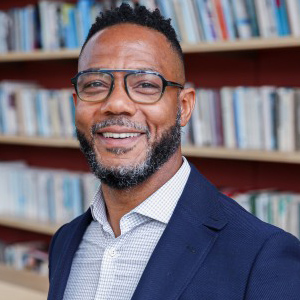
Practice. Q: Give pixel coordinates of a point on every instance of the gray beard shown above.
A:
(126, 177)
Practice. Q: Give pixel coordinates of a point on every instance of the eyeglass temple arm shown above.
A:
(171, 83)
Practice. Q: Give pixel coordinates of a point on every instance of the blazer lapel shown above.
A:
(60, 277)
(188, 238)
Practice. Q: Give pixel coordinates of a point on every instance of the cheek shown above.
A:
(84, 116)
(161, 118)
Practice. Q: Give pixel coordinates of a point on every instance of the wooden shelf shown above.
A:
(253, 155)
(29, 225)
(208, 152)
(25, 279)
(39, 141)
(39, 55)
(242, 45)
(218, 46)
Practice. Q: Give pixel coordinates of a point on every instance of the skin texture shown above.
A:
(129, 46)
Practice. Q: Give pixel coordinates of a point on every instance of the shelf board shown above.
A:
(208, 152)
(242, 45)
(38, 55)
(39, 141)
(237, 154)
(204, 47)
(29, 225)
(23, 278)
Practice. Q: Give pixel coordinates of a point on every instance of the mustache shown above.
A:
(120, 121)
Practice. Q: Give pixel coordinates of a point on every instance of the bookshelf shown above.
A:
(256, 61)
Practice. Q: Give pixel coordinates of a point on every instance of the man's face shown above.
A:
(144, 126)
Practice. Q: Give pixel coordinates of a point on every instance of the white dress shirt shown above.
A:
(109, 268)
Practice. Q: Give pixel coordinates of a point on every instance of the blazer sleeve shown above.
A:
(275, 273)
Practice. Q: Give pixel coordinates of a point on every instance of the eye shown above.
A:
(95, 85)
(146, 85)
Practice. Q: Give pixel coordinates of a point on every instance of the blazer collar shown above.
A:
(187, 239)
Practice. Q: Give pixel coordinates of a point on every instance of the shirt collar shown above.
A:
(159, 206)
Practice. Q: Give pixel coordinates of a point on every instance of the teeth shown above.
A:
(122, 135)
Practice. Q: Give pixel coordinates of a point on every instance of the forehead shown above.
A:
(129, 46)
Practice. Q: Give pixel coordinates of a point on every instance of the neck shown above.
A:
(120, 202)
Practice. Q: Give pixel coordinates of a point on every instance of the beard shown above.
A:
(126, 177)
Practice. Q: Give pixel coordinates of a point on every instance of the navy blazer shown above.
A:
(211, 249)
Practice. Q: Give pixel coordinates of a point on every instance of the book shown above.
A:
(293, 12)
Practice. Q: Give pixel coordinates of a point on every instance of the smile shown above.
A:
(122, 135)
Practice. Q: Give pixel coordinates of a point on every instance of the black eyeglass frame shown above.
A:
(129, 72)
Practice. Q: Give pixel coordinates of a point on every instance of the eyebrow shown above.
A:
(139, 69)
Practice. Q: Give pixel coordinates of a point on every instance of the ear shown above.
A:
(187, 103)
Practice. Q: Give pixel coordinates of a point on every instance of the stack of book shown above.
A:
(49, 25)
(259, 118)
(221, 20)
(30, 256)
(44, 195)
(28, 110)
(278, 208)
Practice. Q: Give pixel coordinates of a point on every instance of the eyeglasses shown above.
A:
(141, 86)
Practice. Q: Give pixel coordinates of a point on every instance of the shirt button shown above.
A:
(112, 252)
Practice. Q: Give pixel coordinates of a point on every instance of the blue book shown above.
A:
(71, 29)
(253, 19)
(284, 18)
(279, 25)
(84, 8)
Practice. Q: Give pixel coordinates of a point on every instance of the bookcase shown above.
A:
(252, 62)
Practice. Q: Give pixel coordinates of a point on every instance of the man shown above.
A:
(157, 229)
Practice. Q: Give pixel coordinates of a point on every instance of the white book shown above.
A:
(211, 113)
(192, 21)
(293, 9)
(242, 19)
(180, 17)
(228, 117)
(262, 206)
(45, 24)
(8, 107)
(4, 31)
(205, 116)
(268, 117)
(255, 121)
(286, 128)
(197, 121)
(26, 112)
(43, 205)
(60, 214)
(54, 117)
(90, 187)
(150, 4)
(266, 18)
(65, 113)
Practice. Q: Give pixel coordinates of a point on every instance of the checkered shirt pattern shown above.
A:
(109, 268)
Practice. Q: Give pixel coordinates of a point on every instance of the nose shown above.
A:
(118, 103)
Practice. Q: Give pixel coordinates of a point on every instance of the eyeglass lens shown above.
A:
(145, 88)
